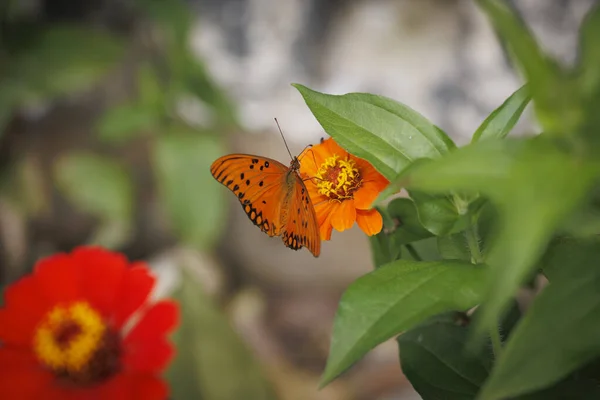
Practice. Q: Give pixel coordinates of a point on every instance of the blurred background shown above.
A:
(111, 112)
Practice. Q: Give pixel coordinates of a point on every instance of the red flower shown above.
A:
(66, 331)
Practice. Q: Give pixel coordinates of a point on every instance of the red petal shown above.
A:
(101, 273)
(119, 387)
(22, 377)
(135, 288)
(58, 278)
(24, 308)
(148, 355)
(160, 319)
(149, 387)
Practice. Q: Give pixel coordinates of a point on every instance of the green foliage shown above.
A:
(202, 369)
(393, 298)
(101, 187)
(182, 160)
(482, 220)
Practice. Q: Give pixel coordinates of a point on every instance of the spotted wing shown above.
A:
(259, 184)
(301, 228)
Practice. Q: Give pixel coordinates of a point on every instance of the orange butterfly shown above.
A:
(273, 196)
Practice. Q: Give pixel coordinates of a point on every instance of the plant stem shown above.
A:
(496, 342)
(413, 252)
(473, 242)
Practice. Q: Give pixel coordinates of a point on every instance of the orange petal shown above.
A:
(311, 159)
(324, 211)
(370, 221)
(344, 216)
(366, 195)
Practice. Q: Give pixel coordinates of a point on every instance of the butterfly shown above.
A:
(273, 196)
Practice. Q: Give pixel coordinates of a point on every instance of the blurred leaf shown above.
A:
(192, 198)
(566, 255)
(151, 94)
(558, 334)
(127, 121)
(454, 247)
(211, 362)
(174, 16)
(590, 53)
(62, 60)
(422, 250)
(384, 132)
(521, 177)
(394, 298)
(380, 249)
(198, 81)
(501, 121)
(101, 187)
(556, 100)
(96, 184)
(433, 357)
(437, 214)
(409, 229)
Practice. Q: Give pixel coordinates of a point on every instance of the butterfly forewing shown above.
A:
(257, 182)
(273, 196)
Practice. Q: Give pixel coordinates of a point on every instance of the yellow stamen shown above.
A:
(338, 179)
(69, 336)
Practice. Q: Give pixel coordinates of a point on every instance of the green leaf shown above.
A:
(404, 211)
(384, 132)
(566, 255)
(556, 100)
(437, 214)
(501, 121)
(210, 355)
(101, 187)
(127, 121)
(63, 60)
(394, 298)
(558, 334)
(590, 53)
(454, 247)
(191, 196)
(434, 358)
(521, 178)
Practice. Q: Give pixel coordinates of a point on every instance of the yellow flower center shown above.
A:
(75, 343)
(338, 179)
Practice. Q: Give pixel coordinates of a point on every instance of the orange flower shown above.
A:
(63, 335)
(342, 189)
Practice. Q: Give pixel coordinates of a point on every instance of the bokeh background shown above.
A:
(111, 112)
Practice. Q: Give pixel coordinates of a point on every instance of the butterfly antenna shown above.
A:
(283, 137)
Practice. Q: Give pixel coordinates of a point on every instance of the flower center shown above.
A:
(338, 179)
(75, 343)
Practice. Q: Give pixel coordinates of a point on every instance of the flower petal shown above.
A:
(366, 195)
(24, 308)
(58, 278)
(149, 387)
(136, 286)
(157, 321)
(101, 273)
(344, 215)
(370, 221)
(151, 355)
(22, 377)
(120, 387)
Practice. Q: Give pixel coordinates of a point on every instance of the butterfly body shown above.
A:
(273, 196)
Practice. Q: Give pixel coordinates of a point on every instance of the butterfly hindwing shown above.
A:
(301, 228)
(258, 183)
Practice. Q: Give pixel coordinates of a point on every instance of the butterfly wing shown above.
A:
(301, 227)
(259, 184)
